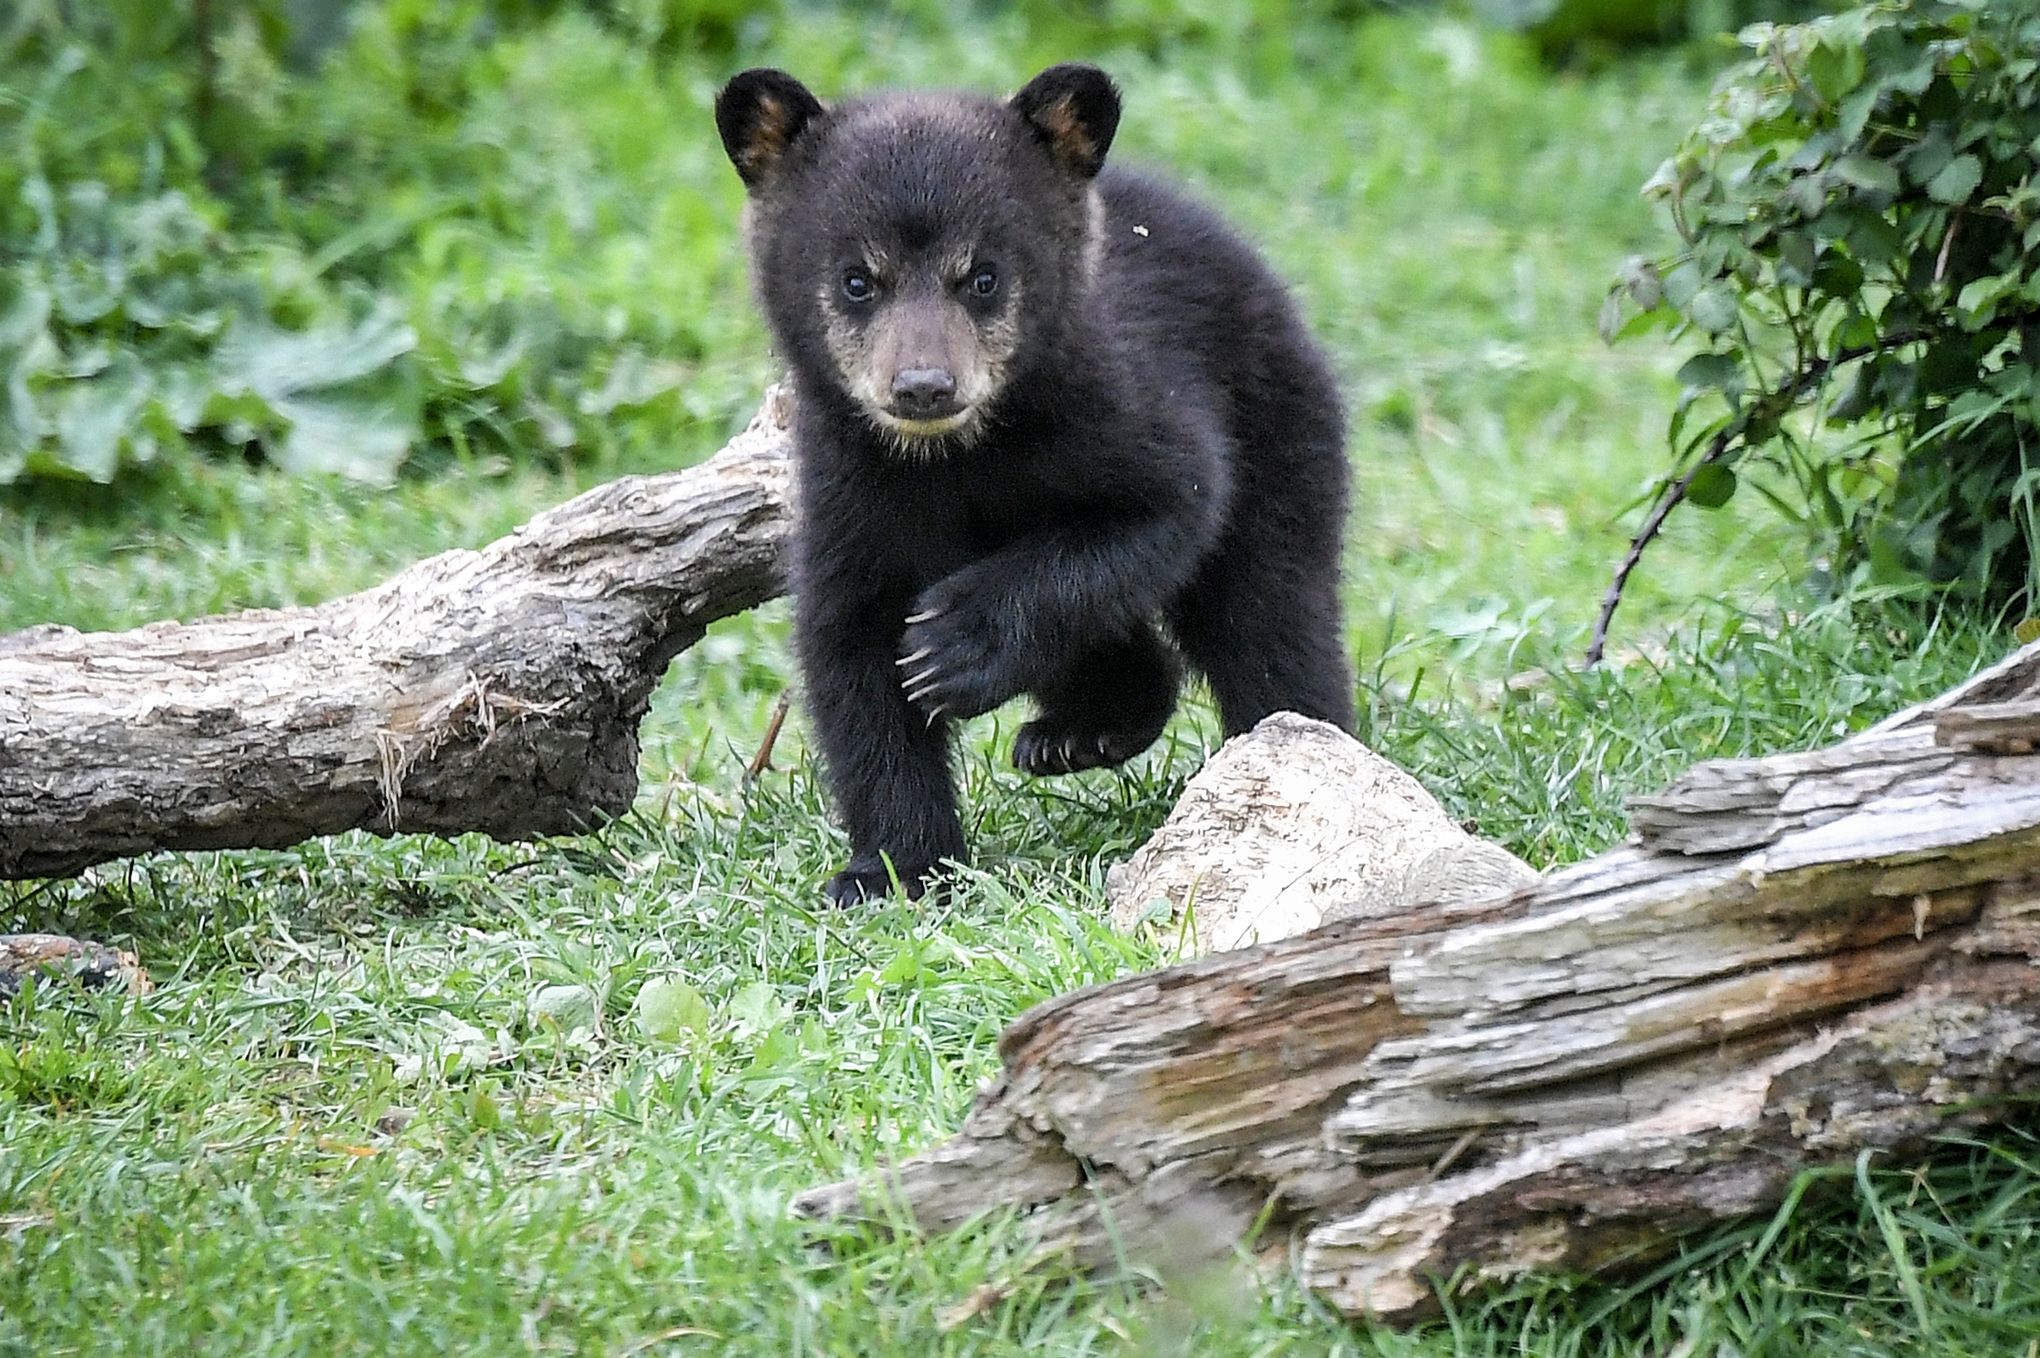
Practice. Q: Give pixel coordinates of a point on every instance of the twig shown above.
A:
(1777, 399)
(1947, 243)
(762, 760)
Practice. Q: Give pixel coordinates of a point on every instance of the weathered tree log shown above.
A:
(496, 690)
(1799, 959)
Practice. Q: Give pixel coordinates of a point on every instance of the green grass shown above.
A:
(444, 1097)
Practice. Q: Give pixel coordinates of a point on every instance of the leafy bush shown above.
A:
(130, 323)
(313, 234)
(1859, 227)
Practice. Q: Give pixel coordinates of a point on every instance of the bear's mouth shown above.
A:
(907, 427)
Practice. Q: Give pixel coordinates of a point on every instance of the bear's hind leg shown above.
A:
(1110, 705)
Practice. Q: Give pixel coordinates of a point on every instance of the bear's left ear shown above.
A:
(760, 113)
(1074, 109)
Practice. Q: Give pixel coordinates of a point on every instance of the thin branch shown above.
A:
(762, 760)
(1778, 399)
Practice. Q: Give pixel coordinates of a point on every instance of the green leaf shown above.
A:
(1980, 296)
(1956, 181)
(1928, 157)
(757, 1007)
(1838, 276)
(565, 1007)
(668, 1009)
(1682, 284)
(1835, 67)
(1868, 172)
(1854, 402)
(1713, 308)
(904, 966)
(1640, 276)
(1712, 486)
(275, 364)
(633, 379)
(1796, 259)
(1609, 323)
(1712, 372)
(96, 416)
(362, 437)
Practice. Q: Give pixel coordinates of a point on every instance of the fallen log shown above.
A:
(496, 690)
(1797, 960)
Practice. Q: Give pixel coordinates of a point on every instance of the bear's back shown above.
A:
(1194, 305)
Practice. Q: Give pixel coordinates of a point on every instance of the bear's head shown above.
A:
(920, 252)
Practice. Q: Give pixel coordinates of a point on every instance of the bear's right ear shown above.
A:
(759, 114)
(1074, 109)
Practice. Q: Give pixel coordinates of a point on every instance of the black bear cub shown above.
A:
(1054, 427)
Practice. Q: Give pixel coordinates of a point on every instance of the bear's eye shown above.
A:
(857, 285)
(985, 281)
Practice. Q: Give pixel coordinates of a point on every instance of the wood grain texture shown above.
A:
(496, 690)
(1798, 959)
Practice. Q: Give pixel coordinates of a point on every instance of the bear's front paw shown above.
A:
(867, 879)
(955, 660)
(1047, 746)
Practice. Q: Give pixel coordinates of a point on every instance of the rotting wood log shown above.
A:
(496, 690)
(1797, 960)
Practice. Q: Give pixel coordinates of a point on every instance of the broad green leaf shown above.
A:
(565, 1007)
(1717, 372)
(1868, 172)
(275, 364)
(1835, 67)
(1796, 259)
(1712, 486)
(1956, 181)
(364, 438)
(668, 1009)
(1979, 297)
(1928, 157)
(757, 1007)
(904, 966)
(1609, 322)
(1714, 308)
(1682, 283)
(1640, 276)
(633, 379)
(96, 415)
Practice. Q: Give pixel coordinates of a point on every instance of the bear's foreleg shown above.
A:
(887, 763)
(1017, 621)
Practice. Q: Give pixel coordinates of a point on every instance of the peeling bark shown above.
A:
(1799, 958)
(496, 690)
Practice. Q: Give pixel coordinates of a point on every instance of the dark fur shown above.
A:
(1161, 470)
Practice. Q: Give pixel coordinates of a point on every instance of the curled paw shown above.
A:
(952, 661)
(1045, 747)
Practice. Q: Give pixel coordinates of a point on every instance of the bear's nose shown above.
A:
(924, 393)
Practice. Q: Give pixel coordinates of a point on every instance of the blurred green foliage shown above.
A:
(1567, 28)
(314, 233)
(339, 234)
(1858, 218)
